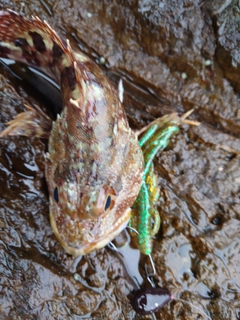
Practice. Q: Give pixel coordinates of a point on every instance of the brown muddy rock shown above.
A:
(226, 21)
(172, 56)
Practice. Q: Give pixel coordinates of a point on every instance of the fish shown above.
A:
(99, 171)
(94, 164)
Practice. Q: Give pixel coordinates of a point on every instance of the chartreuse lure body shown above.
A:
(145, 218)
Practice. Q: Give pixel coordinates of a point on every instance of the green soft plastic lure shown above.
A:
(145, 217)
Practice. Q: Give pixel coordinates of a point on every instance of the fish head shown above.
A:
(86, 213)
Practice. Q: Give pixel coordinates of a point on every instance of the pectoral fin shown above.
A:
(31, 123)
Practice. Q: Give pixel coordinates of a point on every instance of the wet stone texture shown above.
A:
(172, 56)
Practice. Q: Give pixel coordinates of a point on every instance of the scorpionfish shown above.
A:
(94, 165)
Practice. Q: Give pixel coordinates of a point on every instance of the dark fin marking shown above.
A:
(57, 51)
(38, 41)
(31, 59)
(4, 51)
(20, 42)
(68, 77)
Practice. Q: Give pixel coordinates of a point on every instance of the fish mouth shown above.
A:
(98, 243)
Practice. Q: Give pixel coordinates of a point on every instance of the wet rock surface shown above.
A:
(172, 56)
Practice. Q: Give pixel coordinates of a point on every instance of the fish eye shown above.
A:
(108, 202)
(55, 194)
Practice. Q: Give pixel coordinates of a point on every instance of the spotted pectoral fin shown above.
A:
(31, 123)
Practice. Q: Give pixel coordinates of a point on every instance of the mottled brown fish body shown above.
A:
(94, 164)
